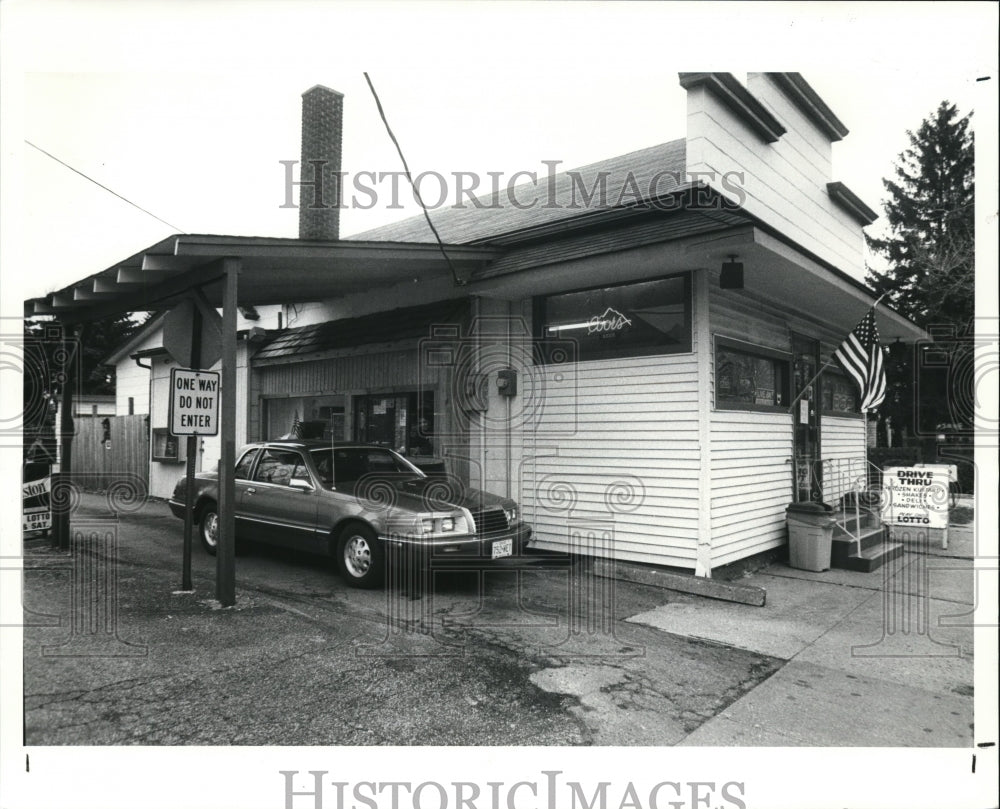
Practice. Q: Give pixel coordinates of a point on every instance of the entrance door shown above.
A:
(806, 453)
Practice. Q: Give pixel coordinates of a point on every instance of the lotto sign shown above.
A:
(916, 495)
(194, 402)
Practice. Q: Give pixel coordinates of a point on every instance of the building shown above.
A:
(142, 374)
(622, 350)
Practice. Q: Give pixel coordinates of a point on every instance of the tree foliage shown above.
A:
(46, 347)
(929, 251)
(929, 248)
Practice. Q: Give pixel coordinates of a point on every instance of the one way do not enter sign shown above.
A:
(194, 402)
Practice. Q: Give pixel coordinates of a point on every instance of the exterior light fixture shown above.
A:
(732, 274)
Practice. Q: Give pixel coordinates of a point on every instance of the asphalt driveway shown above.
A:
(531, 654)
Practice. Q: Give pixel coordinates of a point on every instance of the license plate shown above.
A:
(503, 547)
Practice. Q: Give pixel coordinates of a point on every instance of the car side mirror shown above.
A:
(300, 484)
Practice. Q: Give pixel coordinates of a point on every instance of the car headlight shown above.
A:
(439, 524)
(511, 514)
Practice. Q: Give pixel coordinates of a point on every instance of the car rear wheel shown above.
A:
(208, 527)
(360, 557)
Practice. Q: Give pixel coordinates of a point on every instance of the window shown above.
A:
(320, 417)
(839, 395)
(280, 466)
(243, 467)
(749, 377)
(401, 421)
(167, 448)
(629, 320)
(352, 464)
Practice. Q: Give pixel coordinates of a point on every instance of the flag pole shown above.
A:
(808, 384)
(864, 413)
(826, 365)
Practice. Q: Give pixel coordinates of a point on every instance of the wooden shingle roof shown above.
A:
(610, 183)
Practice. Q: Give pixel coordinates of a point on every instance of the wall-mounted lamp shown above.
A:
(732, 274)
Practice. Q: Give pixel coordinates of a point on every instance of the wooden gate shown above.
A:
(99, 465)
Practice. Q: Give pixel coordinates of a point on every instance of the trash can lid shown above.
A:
(809, 507)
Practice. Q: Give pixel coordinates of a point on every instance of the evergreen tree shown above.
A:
(930, 250)
(45, 345)
(930, 210)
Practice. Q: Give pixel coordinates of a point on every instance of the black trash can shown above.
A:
(810, 535)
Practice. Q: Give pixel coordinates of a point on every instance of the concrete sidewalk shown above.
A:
(873, 659)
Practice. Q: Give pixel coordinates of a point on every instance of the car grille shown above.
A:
(489, 521)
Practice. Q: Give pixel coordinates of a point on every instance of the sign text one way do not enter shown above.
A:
(194, 402)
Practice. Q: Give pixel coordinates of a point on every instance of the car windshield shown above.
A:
(347, 465)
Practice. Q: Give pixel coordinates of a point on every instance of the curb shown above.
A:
(685, 583)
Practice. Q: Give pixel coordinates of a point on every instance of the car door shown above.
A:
(242, 474)
(279, 504)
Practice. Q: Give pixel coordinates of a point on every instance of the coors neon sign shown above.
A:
(611, 321)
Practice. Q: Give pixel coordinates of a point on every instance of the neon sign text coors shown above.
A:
(611, 320)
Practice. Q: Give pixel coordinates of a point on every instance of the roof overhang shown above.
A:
(779, 271)
(272, 271)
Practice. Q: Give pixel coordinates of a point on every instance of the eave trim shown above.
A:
(808, 102)
(851, 203)
(728, 89)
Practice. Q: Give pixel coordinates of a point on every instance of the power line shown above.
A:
(115, 193)
(416, 191)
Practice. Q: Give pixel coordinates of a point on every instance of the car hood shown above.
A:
(423, 494)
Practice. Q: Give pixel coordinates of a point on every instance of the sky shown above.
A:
(187, 110)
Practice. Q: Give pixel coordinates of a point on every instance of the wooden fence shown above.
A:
(97, 465)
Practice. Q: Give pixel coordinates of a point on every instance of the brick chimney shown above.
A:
(322, 120)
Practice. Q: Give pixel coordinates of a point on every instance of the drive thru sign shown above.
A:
(194, 402)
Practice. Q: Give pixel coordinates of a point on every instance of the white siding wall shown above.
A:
(616, 444)
(843, 452)
(162, 476)
(751, 482)
(785, 181)
(131, 380)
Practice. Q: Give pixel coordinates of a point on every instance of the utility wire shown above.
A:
(416, 191)
(115, 193)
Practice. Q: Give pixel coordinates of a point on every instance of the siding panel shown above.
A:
(751, 482)
(616, 445)
(843, 452)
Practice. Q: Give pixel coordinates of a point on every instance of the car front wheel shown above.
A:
(360, 557)
(208, 527)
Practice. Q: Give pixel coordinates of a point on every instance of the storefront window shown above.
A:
(167, 448)
(309, 417)
(629, 320)
(401, 421)
(839, 395)
(749, 378)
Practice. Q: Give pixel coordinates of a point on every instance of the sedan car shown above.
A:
(354, 502)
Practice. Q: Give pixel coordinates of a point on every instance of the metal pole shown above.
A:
(61, 503)
(806, 387)
(192, 450)
(225, 558)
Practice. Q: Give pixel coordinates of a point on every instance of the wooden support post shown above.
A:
(60, 503)
(192, 455)
(225, 558)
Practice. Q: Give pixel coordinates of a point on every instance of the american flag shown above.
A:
(860, 355)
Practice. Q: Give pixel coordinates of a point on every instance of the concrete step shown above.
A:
(864, 554)
(869, 536)
(847, 518)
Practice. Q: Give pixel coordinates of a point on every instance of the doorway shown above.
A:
(806, 460)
